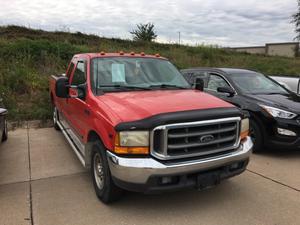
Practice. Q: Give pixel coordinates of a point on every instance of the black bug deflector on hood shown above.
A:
(181, 117)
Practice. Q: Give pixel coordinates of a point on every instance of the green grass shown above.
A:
(28, 57)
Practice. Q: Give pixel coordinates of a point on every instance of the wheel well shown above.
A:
(256, 119)
(92, 137)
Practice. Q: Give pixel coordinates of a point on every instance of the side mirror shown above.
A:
(199, 84)
(77, 91)
(61, 87)
(73, 92)
(226, 90)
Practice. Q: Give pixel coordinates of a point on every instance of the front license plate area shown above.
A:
(208, 180)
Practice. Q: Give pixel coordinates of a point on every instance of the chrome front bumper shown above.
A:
(139, 170)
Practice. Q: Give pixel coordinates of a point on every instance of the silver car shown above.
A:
(291, 83)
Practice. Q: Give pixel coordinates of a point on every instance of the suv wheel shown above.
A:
(5, 132)
(256, 136)
(55, 118)
(104, 186)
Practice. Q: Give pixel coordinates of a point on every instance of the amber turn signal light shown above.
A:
(132, 150)
(244, 134)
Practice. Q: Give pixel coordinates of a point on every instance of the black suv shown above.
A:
(274, 110)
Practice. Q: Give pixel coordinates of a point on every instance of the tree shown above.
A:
(296, 21)
(144, 32)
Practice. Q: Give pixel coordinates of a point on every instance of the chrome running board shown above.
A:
(75, 149)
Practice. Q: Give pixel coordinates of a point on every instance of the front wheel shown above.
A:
(104, 186)
(5, 132)
(256, 136)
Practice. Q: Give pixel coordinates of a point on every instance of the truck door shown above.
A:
(62, 102)
(78, 112)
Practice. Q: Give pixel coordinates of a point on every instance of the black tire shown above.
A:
(257, 136)
(55, 118)
(5, 132)
(106, 190)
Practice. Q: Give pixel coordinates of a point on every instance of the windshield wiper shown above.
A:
(124, 87)
(167, 86)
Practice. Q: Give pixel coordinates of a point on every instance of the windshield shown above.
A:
(121, 73)
(256, 83)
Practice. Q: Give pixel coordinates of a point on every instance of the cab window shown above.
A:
(79, 76)
(216, 81)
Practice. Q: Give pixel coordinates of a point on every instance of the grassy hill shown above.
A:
(28, 57)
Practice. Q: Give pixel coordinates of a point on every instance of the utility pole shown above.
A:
(179, 37)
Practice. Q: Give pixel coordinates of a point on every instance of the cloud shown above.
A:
(220, 22)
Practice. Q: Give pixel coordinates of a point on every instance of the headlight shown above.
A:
(244, 128)
(279, 113)
(132, 142)
(134, 138)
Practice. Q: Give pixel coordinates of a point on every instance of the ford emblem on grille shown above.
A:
(206, 139)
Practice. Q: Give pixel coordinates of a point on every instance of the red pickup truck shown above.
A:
(134, 121)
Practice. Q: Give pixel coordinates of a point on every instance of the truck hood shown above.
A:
(137, 105)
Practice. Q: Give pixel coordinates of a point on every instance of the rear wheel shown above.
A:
(256, 136)
(5, 132)
(55, 118)
(104, 186)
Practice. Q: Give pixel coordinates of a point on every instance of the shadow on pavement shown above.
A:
(279, 153)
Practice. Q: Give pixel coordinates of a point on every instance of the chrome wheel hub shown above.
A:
(98, 171)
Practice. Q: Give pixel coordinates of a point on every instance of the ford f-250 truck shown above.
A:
(134, 121)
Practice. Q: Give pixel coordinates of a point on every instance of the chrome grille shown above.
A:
(201, 138)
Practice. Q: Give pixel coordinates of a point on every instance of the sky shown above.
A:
(226, 23)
